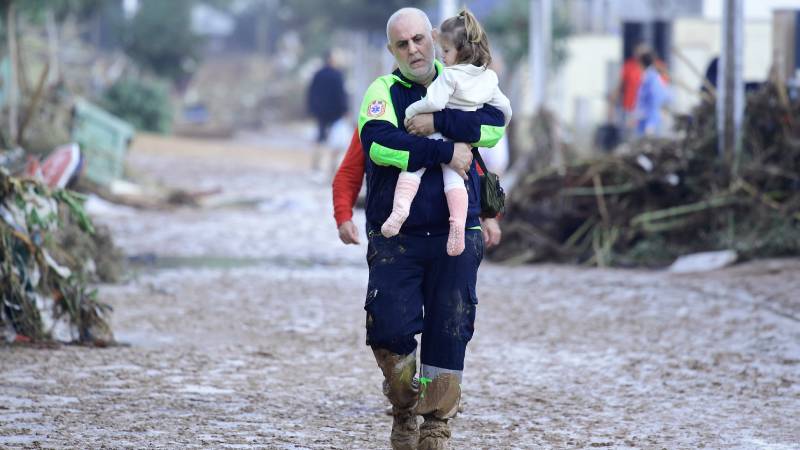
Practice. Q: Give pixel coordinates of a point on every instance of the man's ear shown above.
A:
(435, 34)
(389, 47)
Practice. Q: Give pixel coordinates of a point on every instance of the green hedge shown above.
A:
(143, 103)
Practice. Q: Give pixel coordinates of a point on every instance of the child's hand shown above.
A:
(420, 125)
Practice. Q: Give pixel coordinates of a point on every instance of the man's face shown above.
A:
(411, 44)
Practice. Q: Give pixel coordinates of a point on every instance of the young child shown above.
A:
(466, 84)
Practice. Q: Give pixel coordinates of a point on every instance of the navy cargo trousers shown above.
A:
(415, 287)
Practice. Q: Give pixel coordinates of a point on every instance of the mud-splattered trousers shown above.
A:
(415, 287)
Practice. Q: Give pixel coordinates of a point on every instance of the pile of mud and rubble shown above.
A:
(49, 253)
(667, 198)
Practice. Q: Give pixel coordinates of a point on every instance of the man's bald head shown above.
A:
(404, 13)
(410, 37)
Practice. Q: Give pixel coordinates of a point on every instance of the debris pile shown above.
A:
(43, 279)
(669, 197)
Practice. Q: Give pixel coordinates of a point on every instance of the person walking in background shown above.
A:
(652, 96)
(414, 287)
(712, 72)
(326, 101)
(466, 83)
(629, 81)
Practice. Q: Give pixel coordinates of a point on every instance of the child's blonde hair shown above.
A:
(467, 36)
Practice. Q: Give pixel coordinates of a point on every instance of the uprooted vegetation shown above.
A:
(49, 252)
(668, 197)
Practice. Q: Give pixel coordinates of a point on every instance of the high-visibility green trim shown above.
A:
(438, 65)
(378, 92)
(477, 227)
(490, 135)
(400, 80)
(385, 156)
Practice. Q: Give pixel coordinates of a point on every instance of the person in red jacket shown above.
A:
(347, 184)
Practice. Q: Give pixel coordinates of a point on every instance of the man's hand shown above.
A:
(490, 229)
(420, 125)
(348, 233)
(462, 159)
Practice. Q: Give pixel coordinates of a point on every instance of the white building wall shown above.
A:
(698, 40)
(584, 80)
(753, 9)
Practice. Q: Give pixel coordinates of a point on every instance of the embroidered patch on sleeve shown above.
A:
(376, 108)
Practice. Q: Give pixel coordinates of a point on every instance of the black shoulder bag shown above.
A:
(493, 198)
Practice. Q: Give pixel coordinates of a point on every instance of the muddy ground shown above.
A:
(245, 325)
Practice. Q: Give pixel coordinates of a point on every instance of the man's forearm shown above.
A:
(390, 146)
(482, 128)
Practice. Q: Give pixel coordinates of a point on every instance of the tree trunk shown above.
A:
(14, 83)
(52, 48)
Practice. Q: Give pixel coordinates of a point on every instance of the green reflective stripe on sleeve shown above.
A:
(478, 227)
(377, 103)
(385, 156)
(489, 136)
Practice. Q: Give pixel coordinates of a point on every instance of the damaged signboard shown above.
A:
(103, 139)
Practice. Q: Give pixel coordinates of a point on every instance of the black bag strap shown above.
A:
(477, 155)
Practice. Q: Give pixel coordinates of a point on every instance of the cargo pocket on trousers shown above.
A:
(372, 252)
(468, 315)
(369, 304)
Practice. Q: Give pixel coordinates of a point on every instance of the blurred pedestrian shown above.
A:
(629, 81)
(711, 76)
(327, 103)
(652, 96)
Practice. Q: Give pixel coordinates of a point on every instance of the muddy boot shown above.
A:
(389, 411)
(402, 390)
(434, 434)
(439, 402)
(405, 431)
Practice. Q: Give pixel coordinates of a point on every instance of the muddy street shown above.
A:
(245, 329)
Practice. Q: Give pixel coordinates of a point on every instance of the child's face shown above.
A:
(449, 52)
